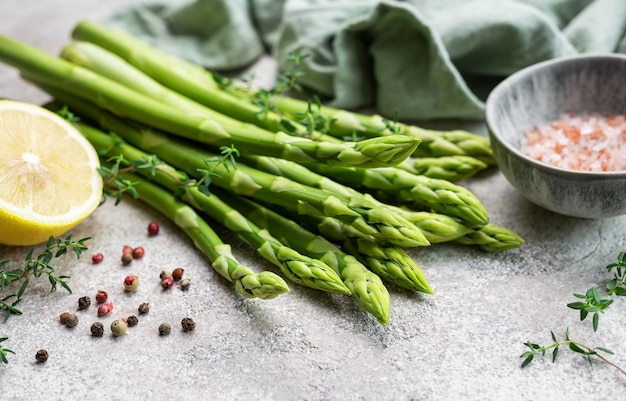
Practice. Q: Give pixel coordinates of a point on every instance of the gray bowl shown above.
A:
(540, 94)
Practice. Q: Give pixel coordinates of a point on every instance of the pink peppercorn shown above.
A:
(105, 309)
(138, 252)
(167, 283)
(153, 228)
(97, 258)
(101, 296)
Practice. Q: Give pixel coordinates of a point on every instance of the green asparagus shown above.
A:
(55, 72)
(420, 191)
(264, 285)
(252, 182)
(346, 124)
(492, 238)
(296, 267)
(449, 168)
(366, 287)
(390, 262)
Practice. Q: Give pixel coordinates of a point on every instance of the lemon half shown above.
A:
(49, 180)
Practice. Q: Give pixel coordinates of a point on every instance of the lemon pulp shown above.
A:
(48, 175)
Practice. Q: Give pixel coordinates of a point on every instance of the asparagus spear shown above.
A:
(190, 80)
(305, 176)
(391, 263)
(492, 238)
(264, 285)
(109, 65)
(198, 84)
(345, 124)
(366, 287)
(187, 157)
(423, 192)
(298, 268)
(110, 95)
(449, 168)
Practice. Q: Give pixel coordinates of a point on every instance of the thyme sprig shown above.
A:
(37, 266)
(286, 81)
(4, 352)
(574, 346)
(115, 185)
(596, 302)
(313, 119)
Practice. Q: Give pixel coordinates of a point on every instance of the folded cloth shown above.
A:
(424, 59)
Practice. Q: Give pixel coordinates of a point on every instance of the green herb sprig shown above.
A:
(4, 352)
(574, 346)
(37, 266)
(150, 165)
(596, 302)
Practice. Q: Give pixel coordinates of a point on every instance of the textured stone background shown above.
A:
(462, 343)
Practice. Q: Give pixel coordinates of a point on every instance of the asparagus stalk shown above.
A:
(190, 80)
(251, 182)
(296, 267)
(492, 238)
(305, 176)
(391, 263)
(264, 285)
(110, 95)
(420, 191)
(449, 168)
(366, 287)
(198, 84)
(346, 124)
(109, 65)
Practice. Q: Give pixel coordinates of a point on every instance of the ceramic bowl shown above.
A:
(539, 95)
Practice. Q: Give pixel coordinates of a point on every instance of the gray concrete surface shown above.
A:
(463, 343)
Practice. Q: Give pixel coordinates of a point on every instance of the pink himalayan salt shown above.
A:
(586, 142)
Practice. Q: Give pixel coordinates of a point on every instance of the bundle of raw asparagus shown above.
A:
(332, 214)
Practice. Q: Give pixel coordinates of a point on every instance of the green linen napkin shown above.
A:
(425, 59)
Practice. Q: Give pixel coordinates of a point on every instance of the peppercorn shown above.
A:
(118, 328)
(97, 258)
(84, 303)
(153, 229)
(132, 321)
(63, 317)
(105, 309)
(184, 284)
(97, 329)
(165, 274)
(165, 329)
(144, 308)
(167, 283)
(71, 320)
(131, 283)
(138, 252)
(127, 255)
(101, 296)
(41, 356)
(177, 274)
(188, 324)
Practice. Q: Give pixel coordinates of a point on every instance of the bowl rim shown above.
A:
(529, 70)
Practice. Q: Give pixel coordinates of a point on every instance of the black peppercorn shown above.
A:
(165, 329)
(188, 324)
(132, 321)
(97, 329)
(144, 308)
(84, 303)
(41, 355)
